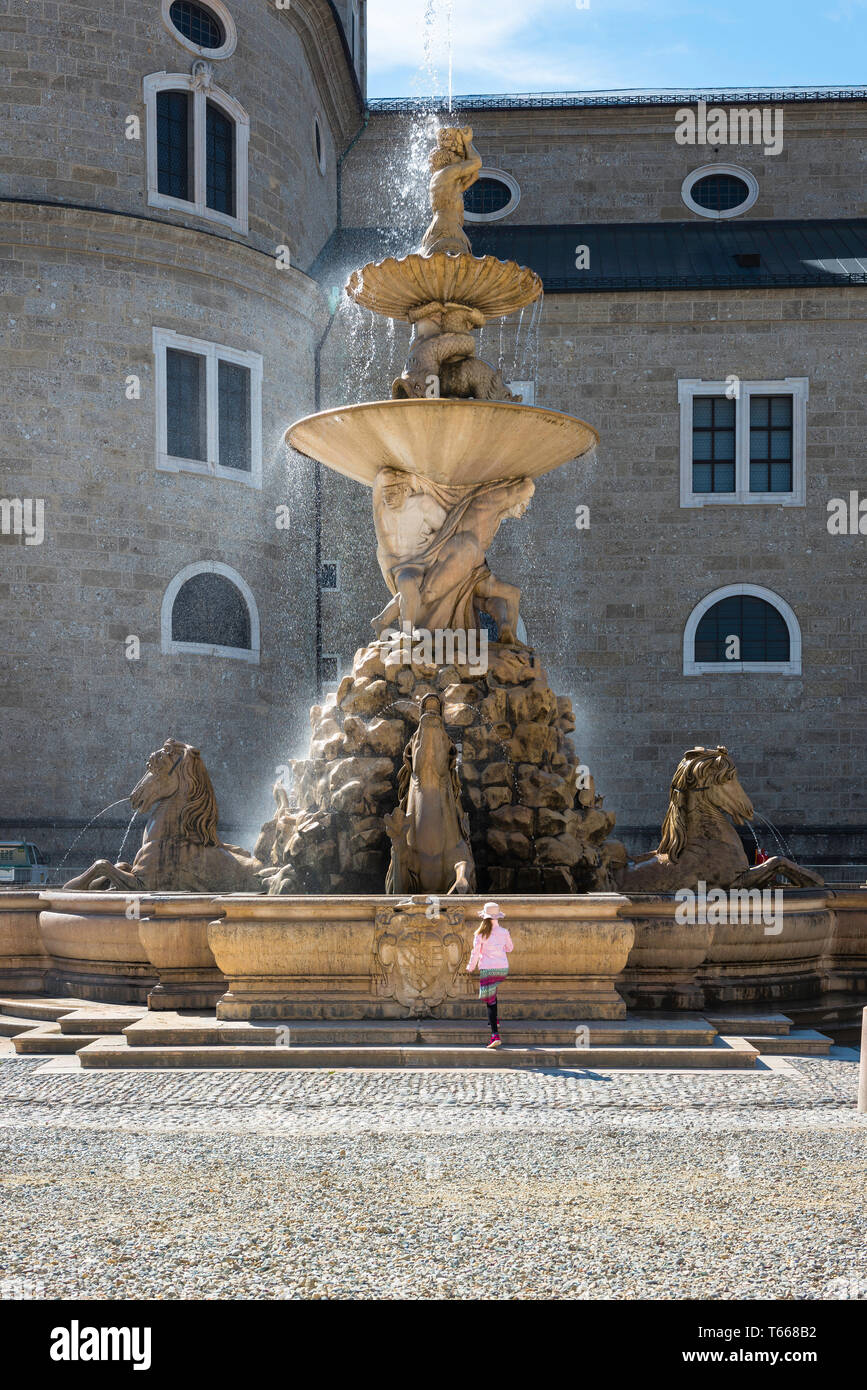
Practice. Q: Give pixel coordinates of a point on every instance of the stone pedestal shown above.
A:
(173, 931)
(371, 957)
(23, 962)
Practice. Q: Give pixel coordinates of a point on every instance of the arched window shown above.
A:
(197, 139)
(209, 610)
(742, 628)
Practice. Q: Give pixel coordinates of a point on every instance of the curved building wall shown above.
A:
(89, 271)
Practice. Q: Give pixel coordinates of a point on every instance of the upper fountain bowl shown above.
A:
(447, 441)
(399, 288)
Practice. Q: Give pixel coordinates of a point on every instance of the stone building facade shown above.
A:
(115, 287)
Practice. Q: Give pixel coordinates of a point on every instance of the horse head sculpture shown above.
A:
(180, 851)
(699, 842)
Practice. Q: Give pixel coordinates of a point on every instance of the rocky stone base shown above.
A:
(537, 825)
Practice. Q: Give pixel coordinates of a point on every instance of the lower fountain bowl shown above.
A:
(447, 441)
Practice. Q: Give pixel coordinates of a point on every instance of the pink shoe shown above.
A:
(495, 1041)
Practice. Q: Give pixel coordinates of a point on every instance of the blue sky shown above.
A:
(552, 45)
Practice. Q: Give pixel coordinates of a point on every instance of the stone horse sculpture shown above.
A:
(180, 852)
(699, 842)
(429, 830)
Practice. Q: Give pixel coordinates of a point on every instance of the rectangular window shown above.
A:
(328, 574)
(233, 391)
(209, 408)
(186, 406)
(770, 444)
(713, 444)
(174, 111)
(220, 161)
(743, 442)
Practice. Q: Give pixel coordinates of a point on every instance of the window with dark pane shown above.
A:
(487, 195)
(719, 192)
(197, 24)
(328, 575)
(317, 135)
(713, 444)
(329, 669)
(174, 144)
(211, 610)
(233, 396)
(220, 160)
(186, 405)
(770, 444)
(762, 630)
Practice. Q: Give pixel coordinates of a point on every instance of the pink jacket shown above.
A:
(491, 953)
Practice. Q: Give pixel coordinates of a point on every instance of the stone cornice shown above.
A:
(321, 32)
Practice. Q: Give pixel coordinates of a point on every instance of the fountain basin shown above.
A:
(363, 957)
(661, 972)
(23, 961)
(397, 286)
(847, 947)
(747, 964)
(447, 441)
(94, 946)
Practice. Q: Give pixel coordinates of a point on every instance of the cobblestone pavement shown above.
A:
(434, 1184)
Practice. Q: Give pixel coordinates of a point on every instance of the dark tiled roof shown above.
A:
(643, 255)
(630, 96)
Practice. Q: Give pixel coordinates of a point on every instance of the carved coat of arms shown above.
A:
(418, 951)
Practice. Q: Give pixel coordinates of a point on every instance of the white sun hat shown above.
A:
(492, 910)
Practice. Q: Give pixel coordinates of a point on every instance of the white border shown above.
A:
(186, 82)
(213, 353)
(798, 387)
(228, 23)
(511, 184)
(792, 667)
(744, 174)
(171, 648)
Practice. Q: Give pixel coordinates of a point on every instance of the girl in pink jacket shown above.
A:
(491, 946)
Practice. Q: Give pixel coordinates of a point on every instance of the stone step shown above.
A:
(42, 1007)
(98, 1019)
(728, 1053)
(9, 1026)
(801, 1042)
(748, 1022)
(47, 1039)
(204, 1030)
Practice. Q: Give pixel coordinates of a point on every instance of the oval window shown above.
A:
(719, 191)
(493, 195)
(200, 26)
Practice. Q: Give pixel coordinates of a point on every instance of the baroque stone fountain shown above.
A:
(448, 458)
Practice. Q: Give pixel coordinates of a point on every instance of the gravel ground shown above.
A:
(356, 1184)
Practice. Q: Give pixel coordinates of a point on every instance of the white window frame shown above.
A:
(219, 9)
(213, 353)
(718, 214)
(792, 667)
(199, 84)
(172, 648)
(512, 184)
(798, 387)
